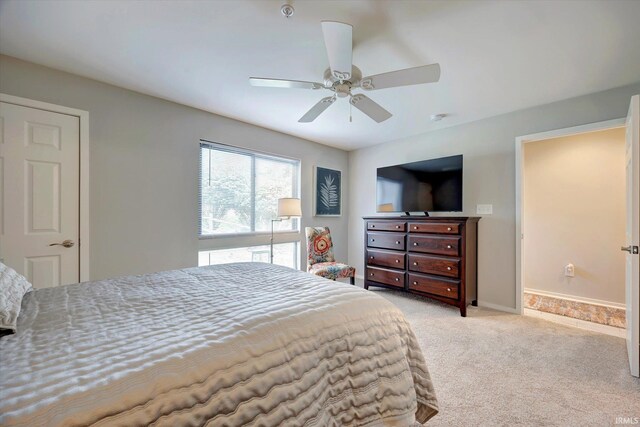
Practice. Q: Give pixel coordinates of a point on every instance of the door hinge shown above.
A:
(631, 249)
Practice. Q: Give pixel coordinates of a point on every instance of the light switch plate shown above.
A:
(484, 209)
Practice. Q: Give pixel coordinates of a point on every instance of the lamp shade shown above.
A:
(289, 207)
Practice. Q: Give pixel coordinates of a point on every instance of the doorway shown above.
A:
(44, 191)
(632, 224)
(573, 206)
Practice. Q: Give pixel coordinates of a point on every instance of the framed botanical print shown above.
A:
(327, 199)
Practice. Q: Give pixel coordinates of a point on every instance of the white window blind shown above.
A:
(239, 190)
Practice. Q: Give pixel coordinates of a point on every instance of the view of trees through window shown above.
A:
(240, 190)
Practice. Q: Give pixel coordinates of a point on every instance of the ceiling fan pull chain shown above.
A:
(350, 118)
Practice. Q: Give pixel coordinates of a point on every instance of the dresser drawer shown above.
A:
(434, 227)
(387, 225)
(449, 267)
(388, 277)
(433, 285)
(440, 245)
(386, 241)
(386, 259)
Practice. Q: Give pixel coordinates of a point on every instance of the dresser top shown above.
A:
(423, 218)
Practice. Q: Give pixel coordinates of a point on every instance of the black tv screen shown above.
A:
(426, 186)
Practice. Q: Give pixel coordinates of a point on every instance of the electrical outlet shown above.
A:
(484, 209)
(569, 270)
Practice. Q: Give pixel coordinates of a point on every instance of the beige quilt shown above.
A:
(229, 345)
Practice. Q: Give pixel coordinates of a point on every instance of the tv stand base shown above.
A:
(408, 215)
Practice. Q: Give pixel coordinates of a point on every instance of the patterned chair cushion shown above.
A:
(320, 259)
(319, 245)
(332, 270)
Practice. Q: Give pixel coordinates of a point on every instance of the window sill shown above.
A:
(231, 241)
(232, 235)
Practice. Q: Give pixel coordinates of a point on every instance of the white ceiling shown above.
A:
(496, 56)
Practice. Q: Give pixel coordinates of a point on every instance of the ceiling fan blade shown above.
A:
(339, 43)
(292, 84)
(406, 77)
(370, 108)
(317, 109)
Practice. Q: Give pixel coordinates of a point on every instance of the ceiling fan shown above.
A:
(342, 77)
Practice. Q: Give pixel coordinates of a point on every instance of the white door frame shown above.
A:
(520, 141)
(83, 116)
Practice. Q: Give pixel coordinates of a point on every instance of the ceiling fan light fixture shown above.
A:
(342, 90)
(437, 117)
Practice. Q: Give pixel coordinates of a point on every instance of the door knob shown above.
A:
(630, 249)
(66, 244)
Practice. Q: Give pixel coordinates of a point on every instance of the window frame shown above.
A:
(297, 163)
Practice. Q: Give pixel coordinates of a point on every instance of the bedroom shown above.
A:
(153, 82)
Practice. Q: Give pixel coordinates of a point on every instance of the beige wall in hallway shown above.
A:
(574, 212)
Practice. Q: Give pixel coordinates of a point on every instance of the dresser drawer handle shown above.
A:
(415, 243)
(371, 257)
(415, 227)
(397, 242)
(448, 289)
(449, 268)
(373, 226)
(370, 274)
(373, 240)
(397, 280)
(398, 261)
(448, 228)
(415, 283)
(397, 226)
(415, 263)
(448, 246)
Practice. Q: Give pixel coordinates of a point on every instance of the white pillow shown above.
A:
(13, 286)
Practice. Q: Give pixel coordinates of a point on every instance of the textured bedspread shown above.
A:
(230, 345)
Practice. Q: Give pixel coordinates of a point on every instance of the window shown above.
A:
(286, 254)
(239, 190)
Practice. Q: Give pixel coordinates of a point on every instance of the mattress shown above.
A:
(229, 345)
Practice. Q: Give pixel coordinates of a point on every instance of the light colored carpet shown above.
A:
(498, 369)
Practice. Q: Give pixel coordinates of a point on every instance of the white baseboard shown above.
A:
(497, 307)
(577, 323)
(576, 299)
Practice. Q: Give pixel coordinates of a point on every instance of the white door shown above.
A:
(39, 199)
(633, 235)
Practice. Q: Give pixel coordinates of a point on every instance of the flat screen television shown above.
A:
(427, 186)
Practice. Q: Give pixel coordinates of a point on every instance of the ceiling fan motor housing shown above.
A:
(331, 81)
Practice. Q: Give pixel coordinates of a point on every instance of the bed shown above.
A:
(228, 345)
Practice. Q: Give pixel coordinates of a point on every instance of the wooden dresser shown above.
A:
(431, 256)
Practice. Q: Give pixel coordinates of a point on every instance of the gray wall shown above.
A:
(144, 169)
(488, 147)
